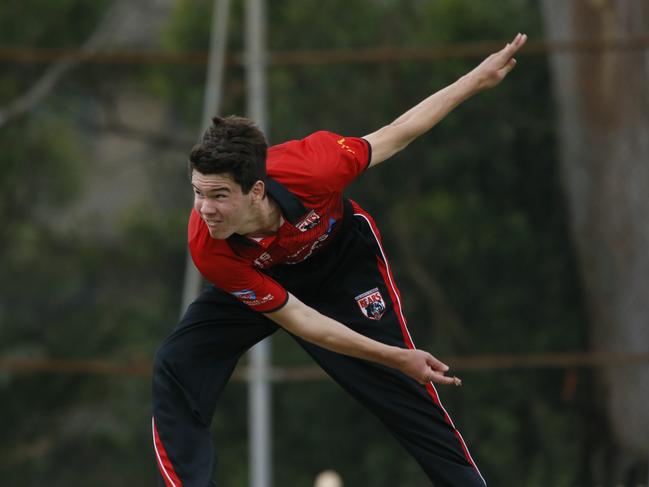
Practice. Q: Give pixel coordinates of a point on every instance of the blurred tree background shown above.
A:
(94, 203)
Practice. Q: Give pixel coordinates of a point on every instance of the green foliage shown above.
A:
(188, 31)
(85, 302)
(29, 24)
(26, 23)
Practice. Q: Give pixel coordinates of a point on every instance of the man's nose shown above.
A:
(208, 207)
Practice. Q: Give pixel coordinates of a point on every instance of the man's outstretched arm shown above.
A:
(307, 323)
(394, 137)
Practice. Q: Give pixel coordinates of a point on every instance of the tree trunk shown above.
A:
(603, 106)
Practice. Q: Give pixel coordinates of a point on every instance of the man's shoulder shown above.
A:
(316, 141)
(319, 165)
(301, 160)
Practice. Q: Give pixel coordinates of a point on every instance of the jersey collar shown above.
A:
(292, 208)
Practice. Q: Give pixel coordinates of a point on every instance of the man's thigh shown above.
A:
(196, 361)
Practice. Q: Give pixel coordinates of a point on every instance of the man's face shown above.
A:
(220, 203)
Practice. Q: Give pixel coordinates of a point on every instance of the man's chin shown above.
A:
(219, 234)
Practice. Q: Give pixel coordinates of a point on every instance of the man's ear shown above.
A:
(258, 190)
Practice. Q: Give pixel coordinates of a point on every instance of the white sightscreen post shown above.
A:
(259, 396)
(211, 107)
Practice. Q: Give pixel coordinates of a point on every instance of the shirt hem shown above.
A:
(369, 154)
(277, 308)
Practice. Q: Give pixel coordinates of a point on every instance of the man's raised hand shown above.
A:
(494, 69)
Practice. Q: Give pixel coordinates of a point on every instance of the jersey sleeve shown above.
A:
(336, 160)
(231, 273)
(250, 286)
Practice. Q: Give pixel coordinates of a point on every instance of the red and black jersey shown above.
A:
(306, 178)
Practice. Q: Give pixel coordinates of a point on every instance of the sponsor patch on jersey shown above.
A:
(245, 295)
(309, 221)
(249, 297)
(371, 304)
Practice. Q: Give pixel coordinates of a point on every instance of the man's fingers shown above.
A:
(509, 66)
(510, 49)
(506, 55)
(435, 372)
(435, 364)
(438, 378)
(516, 44)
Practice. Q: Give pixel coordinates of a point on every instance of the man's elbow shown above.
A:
(294, 318)
(388, 141)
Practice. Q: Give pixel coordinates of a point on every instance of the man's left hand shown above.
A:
(494, 69)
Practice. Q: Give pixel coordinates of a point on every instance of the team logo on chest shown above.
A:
(371, 304)
(263, 261)
(308, 222)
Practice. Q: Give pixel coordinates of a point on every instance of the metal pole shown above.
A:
(211, 107)
(259, 409)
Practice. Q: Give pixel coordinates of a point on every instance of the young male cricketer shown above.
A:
(281, 247)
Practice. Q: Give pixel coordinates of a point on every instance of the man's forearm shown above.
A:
(325, 332)
(395, 136)
(309, 324)
(425, 115)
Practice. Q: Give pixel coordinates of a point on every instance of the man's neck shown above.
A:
(267, 220)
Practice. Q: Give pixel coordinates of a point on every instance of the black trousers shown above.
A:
(194, 364)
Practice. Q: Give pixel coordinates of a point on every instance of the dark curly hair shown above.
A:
(232, 145)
